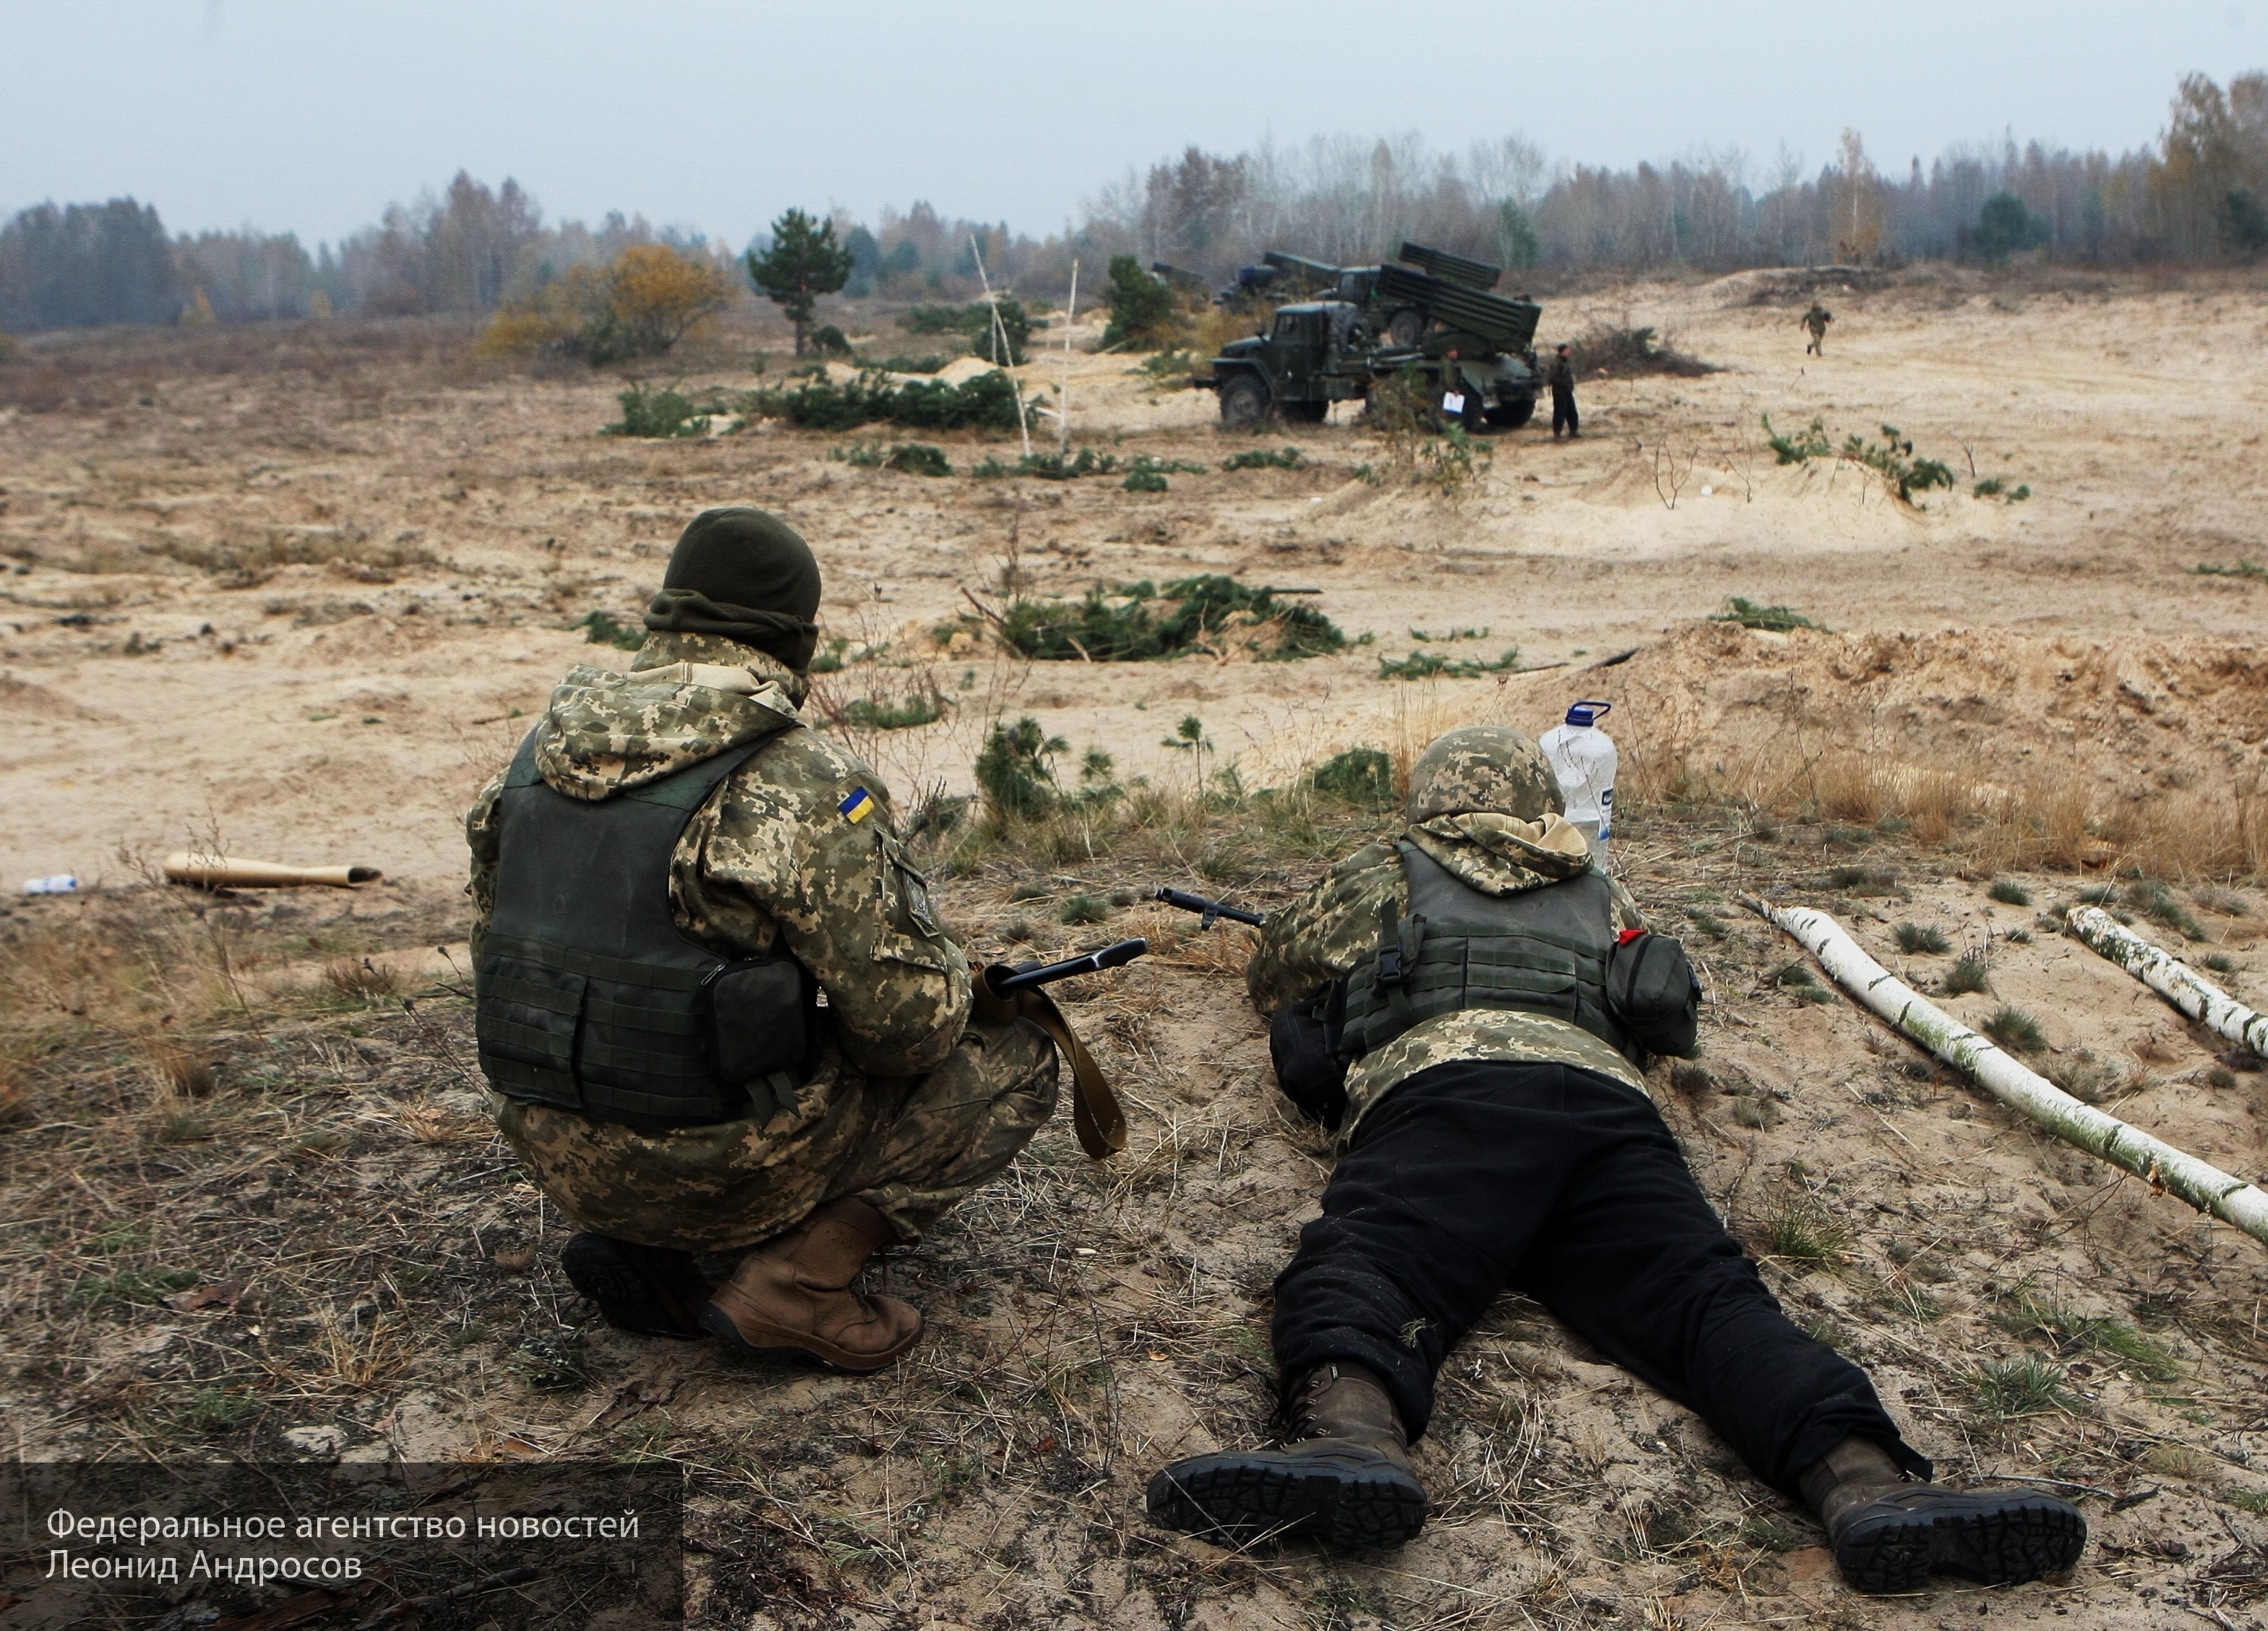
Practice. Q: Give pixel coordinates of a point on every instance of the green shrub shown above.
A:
(1362, 777)
(974, 320)
(828, 341)
(1141, 309)
(1994, 487)
(2157, 901)
(1163, 370)
(2015, 1030)
(599, 629)
(1893, 458)
(1803, 1231)
(1139, 622)
(914, 458)
(1970, 972)
(2008, 1388)
(1776, 619)
(1148, 478)
(1016, 769)
(916, 708)
(1261, 459)
(1432, 665)
(986, 402)
(655, 413)
(1915, 937)
(2008, 892)
(2243, 569)
(1083, 908)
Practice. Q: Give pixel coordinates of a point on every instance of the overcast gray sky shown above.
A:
(311, 117)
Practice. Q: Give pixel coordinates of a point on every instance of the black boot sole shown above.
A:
(603, 1270)
(1992, 1538)
(1236, 1498)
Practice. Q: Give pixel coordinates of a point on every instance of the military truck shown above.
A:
(1469, 351)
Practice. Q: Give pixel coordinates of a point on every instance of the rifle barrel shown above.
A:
(1209, 909)
(1047, 973)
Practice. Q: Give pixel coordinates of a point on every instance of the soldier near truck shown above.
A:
(1471, 1006)
(1562, 381)
(665, 881)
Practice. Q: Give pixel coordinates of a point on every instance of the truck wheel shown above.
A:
(1308, 413)
(1243, 402)
(1512, 413)
(1406, 326)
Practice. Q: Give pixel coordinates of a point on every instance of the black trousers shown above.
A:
(1567, 1186)
(1564, 415)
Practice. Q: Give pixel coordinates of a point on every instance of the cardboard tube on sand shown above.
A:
(232, 872)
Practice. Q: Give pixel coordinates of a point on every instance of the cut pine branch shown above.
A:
(2170, 978)
(2205, 1186)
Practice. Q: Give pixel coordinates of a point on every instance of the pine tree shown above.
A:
(803, 263)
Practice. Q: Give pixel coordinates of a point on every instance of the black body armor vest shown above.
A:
(588, 997)
(1544, 950)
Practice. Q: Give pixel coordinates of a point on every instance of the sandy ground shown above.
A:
(315, 707)
(172, 676)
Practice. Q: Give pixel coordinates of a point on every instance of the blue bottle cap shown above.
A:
(1589, 713)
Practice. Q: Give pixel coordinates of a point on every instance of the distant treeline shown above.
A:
(2199, 194)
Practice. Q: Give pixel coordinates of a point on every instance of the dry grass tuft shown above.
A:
(360, 977)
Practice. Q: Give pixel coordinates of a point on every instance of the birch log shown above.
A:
(2203, 1185)
(234, 872)
(2170, 978)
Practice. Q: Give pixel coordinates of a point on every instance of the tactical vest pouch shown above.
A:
(1655, 994)
(757, 1019)
(1303, 1044)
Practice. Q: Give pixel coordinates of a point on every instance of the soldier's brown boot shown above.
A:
(1889, 1535)
(1343, 1473)
(791, 1296)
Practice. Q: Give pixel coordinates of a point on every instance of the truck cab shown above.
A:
(1310, 356)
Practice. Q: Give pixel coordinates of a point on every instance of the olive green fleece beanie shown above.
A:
(745, 575)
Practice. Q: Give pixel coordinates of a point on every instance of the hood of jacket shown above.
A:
(605, 732)
(1503, 854)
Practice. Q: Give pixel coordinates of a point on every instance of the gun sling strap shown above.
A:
(1095, 1115)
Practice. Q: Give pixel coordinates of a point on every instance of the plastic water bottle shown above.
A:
(61, 883)
(1583, 758)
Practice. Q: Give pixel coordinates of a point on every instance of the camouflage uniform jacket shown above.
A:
(1326, 932)
(1561, 377)
(771, 857)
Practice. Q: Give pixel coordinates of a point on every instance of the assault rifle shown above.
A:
(1210, 911)
(1006, 981)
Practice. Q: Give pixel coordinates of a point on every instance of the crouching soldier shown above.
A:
(1489, 998)
(713, 1002)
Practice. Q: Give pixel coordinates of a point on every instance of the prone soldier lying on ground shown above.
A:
(714, 1002)
(1472, 1007)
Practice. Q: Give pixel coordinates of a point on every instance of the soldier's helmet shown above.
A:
(1483, 767)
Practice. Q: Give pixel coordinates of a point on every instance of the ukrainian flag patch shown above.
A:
(859, 806)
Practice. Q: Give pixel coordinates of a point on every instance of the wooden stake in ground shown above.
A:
(1062, 395)
(2170, 978)
(1003, 352)
(2205, 1186)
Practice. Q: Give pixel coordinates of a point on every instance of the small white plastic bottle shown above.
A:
(1583, 758)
